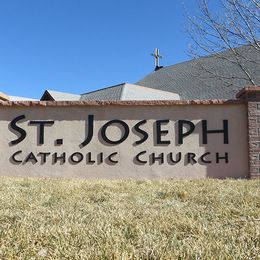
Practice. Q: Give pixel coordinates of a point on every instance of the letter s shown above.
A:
(18, 129)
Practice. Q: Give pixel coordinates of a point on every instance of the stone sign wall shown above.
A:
(123, 140)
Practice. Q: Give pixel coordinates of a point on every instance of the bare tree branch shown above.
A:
(236, 24)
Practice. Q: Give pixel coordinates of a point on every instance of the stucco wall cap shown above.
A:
(117, 103)
(249, 89)
(4, 97)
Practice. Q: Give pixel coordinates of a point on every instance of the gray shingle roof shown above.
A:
(59, 96)
(213, 77)
(126, 91)
(110, 93)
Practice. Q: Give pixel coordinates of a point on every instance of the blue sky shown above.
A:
(80, 45)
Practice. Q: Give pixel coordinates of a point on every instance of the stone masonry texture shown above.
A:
(254, 139)
(252, 96)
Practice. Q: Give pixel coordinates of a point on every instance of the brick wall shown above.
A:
(254, 139)
(252, 96)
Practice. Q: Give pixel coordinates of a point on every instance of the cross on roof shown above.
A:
(157, 57)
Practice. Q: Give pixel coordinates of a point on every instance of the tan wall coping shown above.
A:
(119, 103)
(245, 90)
(4, 97)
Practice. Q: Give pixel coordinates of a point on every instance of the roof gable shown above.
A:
(51, 95)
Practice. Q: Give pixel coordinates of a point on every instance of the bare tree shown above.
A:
(235, 24)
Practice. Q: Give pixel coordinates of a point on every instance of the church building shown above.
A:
(219, 76)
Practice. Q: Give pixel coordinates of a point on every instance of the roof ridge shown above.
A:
(62, 92)
(103, 89)
(150, 88)
(202, 57)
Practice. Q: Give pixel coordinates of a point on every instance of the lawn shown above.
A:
(101, 219)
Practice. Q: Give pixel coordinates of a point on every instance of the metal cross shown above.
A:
(157, 57)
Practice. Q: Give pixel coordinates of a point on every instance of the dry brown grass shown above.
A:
(81, 219)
